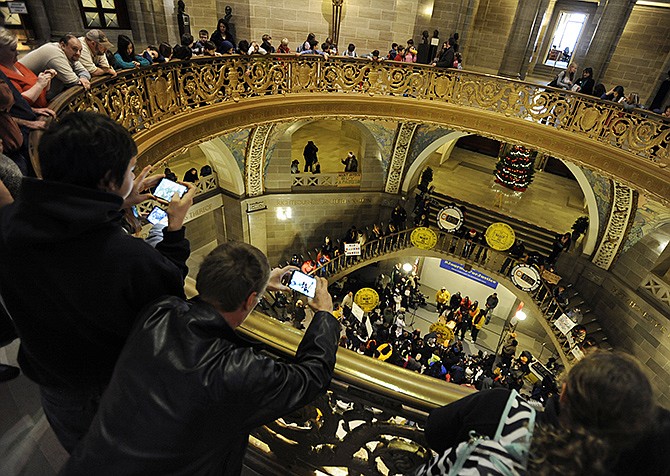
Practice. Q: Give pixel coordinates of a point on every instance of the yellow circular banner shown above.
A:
(367, 299)
(423, 238)
(500, 236)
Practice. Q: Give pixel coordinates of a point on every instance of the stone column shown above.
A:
(257, 222)
(38, 16)
(609, 22)
(533, 40)
(526, 24)
(64, 17)
(466, 19)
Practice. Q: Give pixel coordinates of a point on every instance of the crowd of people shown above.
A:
(105, 329)
(568, 79)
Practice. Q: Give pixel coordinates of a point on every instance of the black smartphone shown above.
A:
(167, 188)
(158, 216)
(302, 283)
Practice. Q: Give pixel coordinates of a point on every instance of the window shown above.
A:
(104, 13)
(564, 40)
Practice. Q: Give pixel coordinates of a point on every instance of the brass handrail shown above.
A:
(140, 99)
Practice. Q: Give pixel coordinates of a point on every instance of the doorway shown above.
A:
(564, 39)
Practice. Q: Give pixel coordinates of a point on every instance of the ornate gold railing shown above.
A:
(142, 99)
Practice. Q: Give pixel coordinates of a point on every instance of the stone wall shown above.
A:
(492, 25)
(201, 231)
(631, 324)
(312, 218)
(641, 52)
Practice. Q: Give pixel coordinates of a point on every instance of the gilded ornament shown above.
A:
(423, 238)
(500, 236)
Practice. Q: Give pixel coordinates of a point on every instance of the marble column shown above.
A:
(533, 43)
(40, 20)
(609, 22)
(466, 19)
(522, 37)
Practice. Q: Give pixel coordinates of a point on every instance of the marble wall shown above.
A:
(632, 324)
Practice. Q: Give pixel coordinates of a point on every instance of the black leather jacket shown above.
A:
(187, 390)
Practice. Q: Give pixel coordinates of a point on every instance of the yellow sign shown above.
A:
(444, 333)
(367, 299)
(423, 238)
(500, 236)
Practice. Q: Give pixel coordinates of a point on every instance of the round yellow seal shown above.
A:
(367, 299)
(500, 236)
(423, 238)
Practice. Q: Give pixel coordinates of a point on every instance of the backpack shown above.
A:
(506, 454)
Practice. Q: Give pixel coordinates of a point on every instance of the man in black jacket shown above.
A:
(446, 59)
(72, 279)
(187, 389)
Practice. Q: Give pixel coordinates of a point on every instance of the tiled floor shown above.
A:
(551, 201)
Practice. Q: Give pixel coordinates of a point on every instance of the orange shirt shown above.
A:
(23, 81)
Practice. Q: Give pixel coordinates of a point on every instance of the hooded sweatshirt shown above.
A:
(74, 281)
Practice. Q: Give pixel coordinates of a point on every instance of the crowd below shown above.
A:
(95, 279)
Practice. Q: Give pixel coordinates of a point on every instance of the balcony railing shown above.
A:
(140, 99)
(336, 180)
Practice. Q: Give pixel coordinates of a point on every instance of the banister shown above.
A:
(152, 102)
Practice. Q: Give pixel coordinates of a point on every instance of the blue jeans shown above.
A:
(70, 412)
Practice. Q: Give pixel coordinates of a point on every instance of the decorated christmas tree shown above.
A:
(514, 169)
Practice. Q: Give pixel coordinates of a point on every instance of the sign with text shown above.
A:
(500, 236)
(450, 218)
(17, 7)
(564, 324)
(472, 274)
(526, 277)
(352, 249)
(367, 299)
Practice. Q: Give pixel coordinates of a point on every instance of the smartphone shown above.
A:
(302, 283)
(166, 188)
(158, 216)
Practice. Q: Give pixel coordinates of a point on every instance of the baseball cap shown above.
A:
(100, 38)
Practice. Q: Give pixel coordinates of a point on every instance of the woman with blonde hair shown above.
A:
(33, 87)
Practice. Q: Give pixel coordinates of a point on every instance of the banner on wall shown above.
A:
(476, 276)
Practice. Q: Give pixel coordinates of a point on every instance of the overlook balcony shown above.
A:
(172, 106)
(368, 421)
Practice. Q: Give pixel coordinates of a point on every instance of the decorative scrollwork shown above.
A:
(255, 159)
(403, 140)
(139, 99)
(623, 205)
(346, 430)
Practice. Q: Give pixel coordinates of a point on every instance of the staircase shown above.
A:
(535, 237)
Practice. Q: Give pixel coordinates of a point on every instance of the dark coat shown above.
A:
(74, 281)
(187, 390)
(446, 59)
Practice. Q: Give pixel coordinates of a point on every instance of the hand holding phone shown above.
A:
(166, 189)
(158, 216)
(302, 283)
(178, 208)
